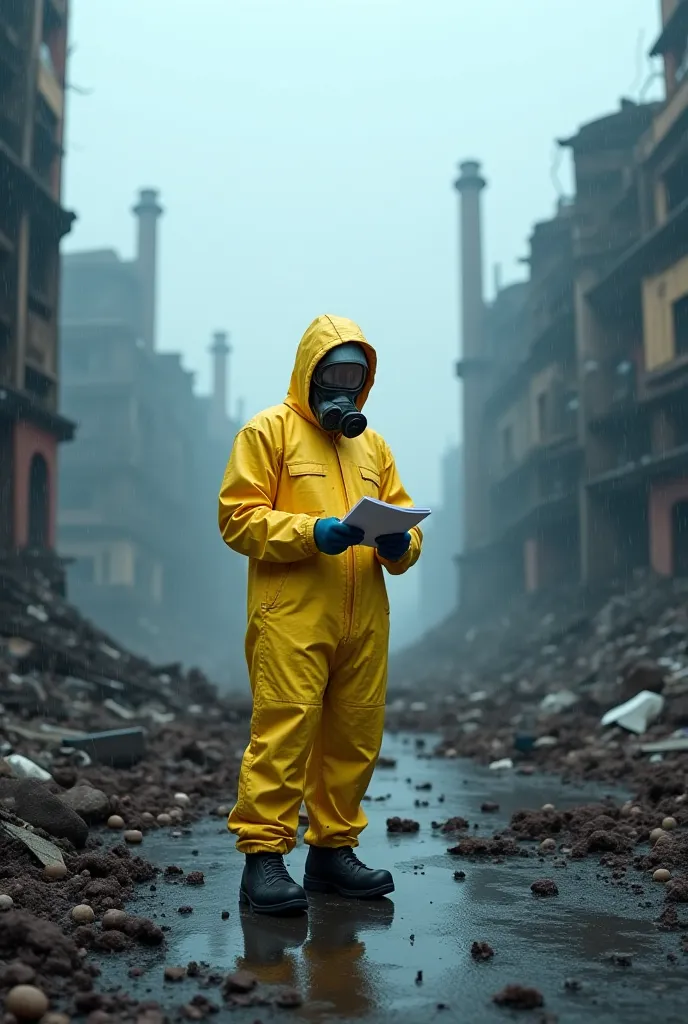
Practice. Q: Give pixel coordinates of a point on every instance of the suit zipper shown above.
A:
(351, 558)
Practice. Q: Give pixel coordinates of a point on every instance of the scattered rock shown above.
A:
(35, 804)
(544, 887)
(399, 825)
(83, 914)
(239, 982)
(91, 804)
(454, 825)
(26, 1002)
(482, 951)
(55, 872)
(175, 973)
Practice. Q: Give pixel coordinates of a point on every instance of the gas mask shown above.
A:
(337, 382)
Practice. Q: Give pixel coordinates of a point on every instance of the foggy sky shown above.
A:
(305, 152)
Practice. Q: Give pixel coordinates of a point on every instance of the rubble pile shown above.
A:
(92, 739)
(531, 689)
(53, 661)
(80, 712)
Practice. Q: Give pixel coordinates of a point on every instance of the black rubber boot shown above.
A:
(268, 888)
(341, 871)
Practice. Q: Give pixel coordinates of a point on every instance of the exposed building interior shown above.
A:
(33, 47)
(575, 381)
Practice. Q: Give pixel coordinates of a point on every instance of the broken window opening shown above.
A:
(679, 525)
(39, 505)
(680, 312)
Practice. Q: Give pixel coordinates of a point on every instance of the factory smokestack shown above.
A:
(221, 351)
(148, 210)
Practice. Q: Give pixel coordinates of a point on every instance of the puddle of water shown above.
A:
(360, 962)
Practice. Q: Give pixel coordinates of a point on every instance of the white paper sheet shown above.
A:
(377, 518)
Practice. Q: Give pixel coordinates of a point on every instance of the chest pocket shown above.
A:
(371, 481)
(308, 482)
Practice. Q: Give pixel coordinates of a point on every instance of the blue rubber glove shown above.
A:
(333, 538)
(393, 546)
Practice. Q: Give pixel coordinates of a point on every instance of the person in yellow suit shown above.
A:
(318, 620)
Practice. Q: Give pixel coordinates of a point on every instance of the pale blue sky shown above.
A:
(305, 151)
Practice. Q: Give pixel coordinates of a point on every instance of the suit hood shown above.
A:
(325, 333)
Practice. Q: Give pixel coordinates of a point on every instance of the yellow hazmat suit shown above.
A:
(318, 625)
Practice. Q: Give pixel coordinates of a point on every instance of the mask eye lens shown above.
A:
(347, 376)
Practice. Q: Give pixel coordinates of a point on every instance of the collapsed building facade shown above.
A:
(138, 504)
(575, 382)
(33, 53)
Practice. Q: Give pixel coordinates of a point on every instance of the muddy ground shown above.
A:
(593, 951)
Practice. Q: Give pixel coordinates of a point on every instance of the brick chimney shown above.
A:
(148, 210)
(221, 351)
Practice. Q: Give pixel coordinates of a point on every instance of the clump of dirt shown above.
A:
(669, 921)
(536, 824)
(101, 879)
(677, 890)
(405, 825)
(519, 997)
(482, 951)
(479, 846)
(605, 842)
(35, 951)
(671, 852)
(544, 887)
(457, 824)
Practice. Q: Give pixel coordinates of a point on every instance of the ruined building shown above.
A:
(33, 49)
(575, 382)
(138, 503)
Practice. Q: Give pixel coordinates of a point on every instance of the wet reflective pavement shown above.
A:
(361, 962)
